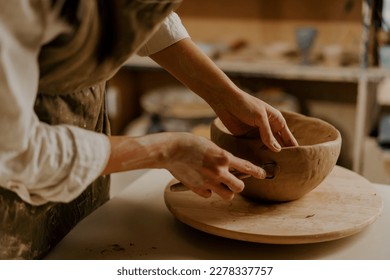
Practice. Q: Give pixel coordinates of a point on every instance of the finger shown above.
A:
(223, 191)
(266, 134)
(232, 182)
(245, 166)
(203, 192)
(281, 130)
(280, 139)
(287, 137)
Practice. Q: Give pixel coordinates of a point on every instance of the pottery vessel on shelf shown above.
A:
(295, 171)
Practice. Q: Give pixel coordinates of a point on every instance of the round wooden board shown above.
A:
(342, 205)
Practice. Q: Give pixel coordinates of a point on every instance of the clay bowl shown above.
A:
(295, 170)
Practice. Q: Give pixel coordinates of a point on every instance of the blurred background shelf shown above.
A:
(279, 70)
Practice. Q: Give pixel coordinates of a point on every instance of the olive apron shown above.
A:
(73, 70)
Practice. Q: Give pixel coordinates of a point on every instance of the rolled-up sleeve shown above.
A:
(39, 162)
(169, 32)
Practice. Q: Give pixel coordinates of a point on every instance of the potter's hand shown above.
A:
(243, 114)
(205, 168)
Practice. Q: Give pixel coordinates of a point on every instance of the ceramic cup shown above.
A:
(305, 37)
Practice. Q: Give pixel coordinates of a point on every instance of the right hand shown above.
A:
(205, 168)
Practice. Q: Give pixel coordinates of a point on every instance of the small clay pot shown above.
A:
(295, 170)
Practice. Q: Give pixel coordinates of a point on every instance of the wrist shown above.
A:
(129, 153)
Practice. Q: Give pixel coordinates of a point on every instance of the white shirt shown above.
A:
(40, 162)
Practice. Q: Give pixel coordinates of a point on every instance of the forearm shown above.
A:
(185, 61)
(197, 71)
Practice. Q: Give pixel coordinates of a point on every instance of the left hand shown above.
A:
(247, 112)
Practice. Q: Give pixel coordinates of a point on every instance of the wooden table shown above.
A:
(136, 224)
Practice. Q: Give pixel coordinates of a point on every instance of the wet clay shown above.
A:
(298, 170)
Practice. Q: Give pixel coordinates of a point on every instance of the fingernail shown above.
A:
(293, 142)
(263, 174)
(276, 145)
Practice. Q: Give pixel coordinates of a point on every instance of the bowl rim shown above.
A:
(338, 137)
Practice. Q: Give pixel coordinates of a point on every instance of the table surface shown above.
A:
(136, 224)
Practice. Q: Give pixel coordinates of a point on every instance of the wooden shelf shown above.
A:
(281, 71)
